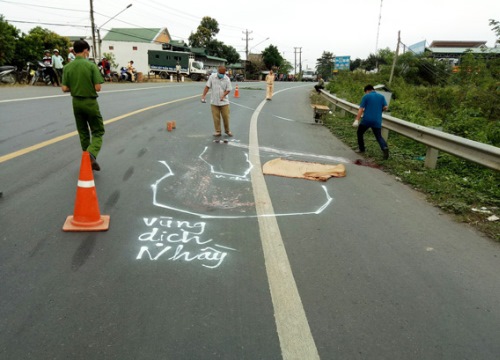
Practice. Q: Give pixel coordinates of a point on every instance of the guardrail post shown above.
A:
(431, 158)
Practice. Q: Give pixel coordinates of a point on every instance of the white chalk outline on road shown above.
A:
(170, 173)
(294, 333)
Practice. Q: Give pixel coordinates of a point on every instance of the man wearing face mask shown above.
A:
(83, 79)
(220, 84)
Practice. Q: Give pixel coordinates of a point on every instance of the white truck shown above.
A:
(308, 75)
(164, 62)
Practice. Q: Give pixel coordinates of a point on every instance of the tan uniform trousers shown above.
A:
(217, 112)
(269, 91)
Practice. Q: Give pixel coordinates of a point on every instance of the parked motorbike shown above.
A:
(8, 74)
(41, 74)
(125, 76)
(24, 76)
(111, 76)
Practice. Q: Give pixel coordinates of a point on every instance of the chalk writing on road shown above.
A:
(175, 240)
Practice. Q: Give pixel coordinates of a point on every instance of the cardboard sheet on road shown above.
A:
(303, 169)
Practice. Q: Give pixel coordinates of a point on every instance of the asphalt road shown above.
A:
(206, 258)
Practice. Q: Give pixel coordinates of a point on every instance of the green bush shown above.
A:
(468, 107)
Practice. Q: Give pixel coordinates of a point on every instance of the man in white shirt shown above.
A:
(178, 70)
(57, 63)
(71, 54)
(220, 86)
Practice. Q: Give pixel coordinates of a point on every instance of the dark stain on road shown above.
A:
(113, 199)
(142, 152)
(83, 252)
(128, 173)
(362, 162)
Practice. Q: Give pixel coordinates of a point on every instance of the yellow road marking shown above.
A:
(43, 144)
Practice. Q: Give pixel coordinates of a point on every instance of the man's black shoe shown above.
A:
(386, 153)
(95, 165)
(359, 151)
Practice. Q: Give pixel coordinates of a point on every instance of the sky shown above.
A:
(301, 30)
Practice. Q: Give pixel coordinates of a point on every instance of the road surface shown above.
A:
(207, 258)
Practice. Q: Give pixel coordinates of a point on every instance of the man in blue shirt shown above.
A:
(371, 107)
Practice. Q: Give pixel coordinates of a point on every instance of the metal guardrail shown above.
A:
(483, 154)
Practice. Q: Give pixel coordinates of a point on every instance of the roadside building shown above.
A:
(133, 44)
(451, 51)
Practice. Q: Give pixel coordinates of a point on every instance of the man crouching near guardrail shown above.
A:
(371, 107)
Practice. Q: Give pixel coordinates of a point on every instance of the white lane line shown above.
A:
(102, 92)
(295, 336)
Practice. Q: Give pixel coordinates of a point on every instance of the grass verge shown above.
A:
(469, 192)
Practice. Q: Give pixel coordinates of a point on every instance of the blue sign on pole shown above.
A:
(342, 62)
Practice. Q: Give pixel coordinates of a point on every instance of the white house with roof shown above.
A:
(133, 44)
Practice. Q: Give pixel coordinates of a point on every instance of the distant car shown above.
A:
(308, 75)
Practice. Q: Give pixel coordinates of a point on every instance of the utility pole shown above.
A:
(93, 28)
(295, 60)
(246, 39)
(378, 32)
(395, 57)
(378, 28)
(300, 61)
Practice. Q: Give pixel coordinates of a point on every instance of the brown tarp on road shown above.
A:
(303, 169)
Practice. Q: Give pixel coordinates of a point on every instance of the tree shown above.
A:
(495, 26)
(272, 57)
(205, 33)
(112, 60)
(8, 38)
(30, 47)
(355, 64)
(374, 61)
(324, 65)
(420, 70)
(230, 54)
(286, 67)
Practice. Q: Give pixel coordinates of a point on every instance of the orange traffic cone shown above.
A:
(86, 216)
(236, 92)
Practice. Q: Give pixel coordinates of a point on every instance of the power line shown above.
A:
(52, 24)
(41, 6)
(438, 72)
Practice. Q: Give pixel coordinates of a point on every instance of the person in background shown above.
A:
(83, 80)
(47, 61)
(371, 107)
(57, 63)
(131, 70)
(71, 54)
(178, 70)
(270, 84)
(220, 86)
(320, 85)
(106, 69)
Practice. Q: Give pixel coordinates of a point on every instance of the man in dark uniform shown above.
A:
(83, 79)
